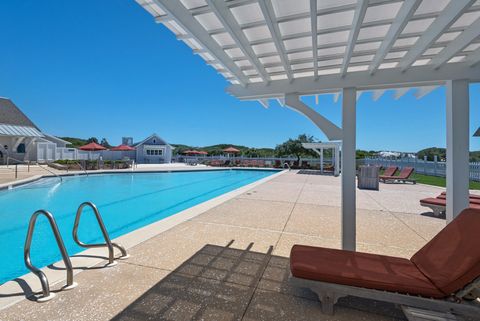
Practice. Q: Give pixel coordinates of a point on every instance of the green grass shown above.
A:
(439, 181)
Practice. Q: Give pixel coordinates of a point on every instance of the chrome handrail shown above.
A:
(66, 259)
(28, 168)
(18, 160)
(108, 243)
(288, 165)
(81, 167)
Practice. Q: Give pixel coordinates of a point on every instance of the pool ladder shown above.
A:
(46, 294)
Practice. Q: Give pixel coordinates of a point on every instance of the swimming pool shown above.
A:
(127, 201)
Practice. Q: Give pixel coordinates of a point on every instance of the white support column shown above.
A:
(336, 164)
(349, 99)
(457, 147)
(321, 160)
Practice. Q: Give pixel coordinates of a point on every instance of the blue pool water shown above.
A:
(126, 202)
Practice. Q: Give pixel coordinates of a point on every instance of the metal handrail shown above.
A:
(47, 295)
(81, 167)
(108, 243)
(18, 160)
(288, 165)
(28, 168)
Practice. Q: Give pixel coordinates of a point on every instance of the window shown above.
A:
(21, 148)
(154, 152)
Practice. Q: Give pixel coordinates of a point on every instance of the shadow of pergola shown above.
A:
(223, 283)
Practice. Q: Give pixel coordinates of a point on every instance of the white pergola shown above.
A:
(320, 147)
(286, 49)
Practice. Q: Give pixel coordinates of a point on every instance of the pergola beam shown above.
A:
(313, 24)
(377, 94)
(382, 79)
(400, 92)
(224, 14)
(360, 11)
(183, 17)
(473, 58)
(268, 13)
(403, 17)
(423, 91)
(458, 44)
(332, 131)
(448, 16)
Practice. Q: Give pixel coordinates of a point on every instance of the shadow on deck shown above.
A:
(223, 283)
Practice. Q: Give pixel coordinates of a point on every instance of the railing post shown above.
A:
(435, 160)
(16, 171)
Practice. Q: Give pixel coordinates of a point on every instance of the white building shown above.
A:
(22, 140)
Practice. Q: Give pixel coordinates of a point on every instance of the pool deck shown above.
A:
(229, 261)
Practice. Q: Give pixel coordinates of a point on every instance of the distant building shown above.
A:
(153, 150)
(21, 139)
(127, 141)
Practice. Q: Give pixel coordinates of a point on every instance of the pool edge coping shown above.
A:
(129, 240)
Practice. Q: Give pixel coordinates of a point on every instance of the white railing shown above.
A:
(423, 166)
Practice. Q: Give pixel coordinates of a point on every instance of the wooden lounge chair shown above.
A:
(441, 281)
(390, 171)
(403, 177)
(438, 205)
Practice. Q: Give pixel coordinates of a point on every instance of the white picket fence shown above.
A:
(422, 166)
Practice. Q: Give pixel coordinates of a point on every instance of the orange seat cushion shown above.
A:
(361, 270)
(451, 259)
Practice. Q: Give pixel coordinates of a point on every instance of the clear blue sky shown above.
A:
(105, 69)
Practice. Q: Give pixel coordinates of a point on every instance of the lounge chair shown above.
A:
(439, 205)
(439, 282)
(390, 171)
(472, 196)
(403, 177)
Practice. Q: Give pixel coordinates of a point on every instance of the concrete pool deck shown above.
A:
(191, 273)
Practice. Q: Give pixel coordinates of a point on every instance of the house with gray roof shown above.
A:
(153, 150)
(21, 139)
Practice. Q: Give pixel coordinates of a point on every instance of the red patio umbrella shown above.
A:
(122, 148)
(231, 150)
(202, 152)
(190, 152)
(92, 147)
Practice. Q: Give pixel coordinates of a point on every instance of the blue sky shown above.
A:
(105, 69)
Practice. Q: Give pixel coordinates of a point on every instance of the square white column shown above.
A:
(458, 143)
(349, 128)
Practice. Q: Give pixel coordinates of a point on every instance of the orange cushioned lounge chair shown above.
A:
(403, 177)
(439, 204)
(441, 281)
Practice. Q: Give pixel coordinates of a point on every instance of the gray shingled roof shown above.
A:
(11, 115)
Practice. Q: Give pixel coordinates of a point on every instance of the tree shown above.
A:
(293, 147)
(92, 140)
(105, 143)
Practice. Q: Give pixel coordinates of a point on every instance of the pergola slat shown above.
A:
(360, 11)
(269, 15)
(458, 44)
(403, 17)
(223, 13)
(313, 23)
(183, 17)
(448, 16)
